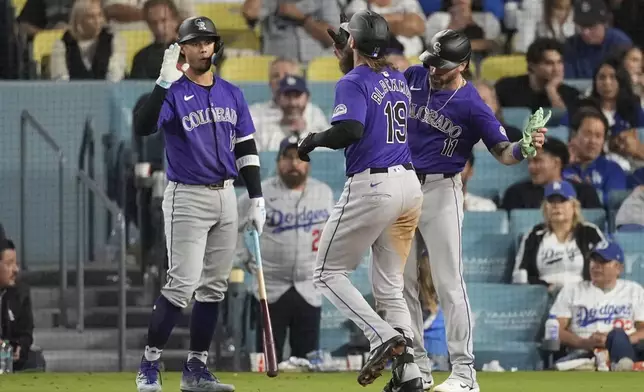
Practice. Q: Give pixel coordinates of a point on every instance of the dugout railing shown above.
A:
(85, 186)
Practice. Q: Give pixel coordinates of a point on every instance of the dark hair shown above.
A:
(538, 47)
(627, 103)
(168, 3)
(557, 148)
(7, 245)
(584, 112)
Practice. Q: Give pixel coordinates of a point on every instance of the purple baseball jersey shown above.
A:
(379, 100)
(441, 133)
(201, 125)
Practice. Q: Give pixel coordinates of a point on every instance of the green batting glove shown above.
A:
(536, 121)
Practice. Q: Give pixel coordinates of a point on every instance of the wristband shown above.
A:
(163, 83)
(516, 152)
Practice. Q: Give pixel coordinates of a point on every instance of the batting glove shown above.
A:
(305, 146)
(536, 121)
(341, 38)
(169, 72)
(257, 214)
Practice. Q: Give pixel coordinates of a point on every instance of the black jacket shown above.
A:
(16, 318)
(525, 194)
(587, 235)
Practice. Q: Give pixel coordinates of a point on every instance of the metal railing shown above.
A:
(85, 186)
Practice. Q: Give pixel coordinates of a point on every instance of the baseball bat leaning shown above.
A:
(267, 336)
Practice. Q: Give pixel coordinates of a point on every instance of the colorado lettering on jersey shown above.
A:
(281, 221)
(606, 314)
(208, 116)
(436, 120)
(387, 85)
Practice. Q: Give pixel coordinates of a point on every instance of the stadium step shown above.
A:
(102, 339)
(100, 317)
(95, 275)
(48, 297)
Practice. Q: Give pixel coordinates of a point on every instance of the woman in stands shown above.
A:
(631, 60)
(88, 49)
(543, 19)
(554, 252)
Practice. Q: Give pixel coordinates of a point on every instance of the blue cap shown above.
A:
(293, 83)
(561, 188)
(608, 251)
(288, 142)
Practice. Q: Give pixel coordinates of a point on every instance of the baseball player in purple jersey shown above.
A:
(380, 205)
(209, 141)
(447, 117)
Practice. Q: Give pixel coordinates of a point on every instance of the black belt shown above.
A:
(380, 170)
(423, 176)
(216, 185)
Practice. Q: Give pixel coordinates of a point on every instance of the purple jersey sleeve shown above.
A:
(166, 114)
(245, 126)
(489, 128)
(350, 102)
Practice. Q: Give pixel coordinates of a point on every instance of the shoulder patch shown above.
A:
(502, 131)
(339, 110)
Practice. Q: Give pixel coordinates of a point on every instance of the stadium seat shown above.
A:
(516, 117)
(580, 84)
(246, 69)
(491, 222)
(507, 320)
(523, 220)
(414, 60)
(486, 258)
(135, 40)
(489, 173)
(323, 69)
(633, 247)
(226, 15)
(18, 5)
(616, 198)
(43, 44)
(497, 67)
(560, 132)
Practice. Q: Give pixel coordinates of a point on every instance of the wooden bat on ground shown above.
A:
(267, 328)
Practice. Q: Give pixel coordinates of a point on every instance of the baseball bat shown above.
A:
(267, 336)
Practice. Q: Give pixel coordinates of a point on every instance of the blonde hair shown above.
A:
(577, 216)
(78, 11)
(379, 64)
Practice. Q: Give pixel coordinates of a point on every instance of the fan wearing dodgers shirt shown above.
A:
(447, 117)
(209, 141)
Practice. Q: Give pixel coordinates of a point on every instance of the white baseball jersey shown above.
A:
(593, 310)
(289, 243)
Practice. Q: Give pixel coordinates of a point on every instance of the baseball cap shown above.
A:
(293, 83)
(608, 251)
(287, 143)
(561, 188)
(588, 13)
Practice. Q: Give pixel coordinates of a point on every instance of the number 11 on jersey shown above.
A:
(449, 146)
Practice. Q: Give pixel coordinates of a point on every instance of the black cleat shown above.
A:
(378, 359)
(401, 364)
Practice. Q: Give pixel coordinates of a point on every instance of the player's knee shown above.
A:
(212, 291)
(176, 297)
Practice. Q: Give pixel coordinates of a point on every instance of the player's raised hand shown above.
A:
(539, 137)
(534, 133)
(304, 147)
(341, 38)
(169, 71)
(257, 214)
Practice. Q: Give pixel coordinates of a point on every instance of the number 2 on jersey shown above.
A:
(396, 122)
(449, 146)
(316, 239)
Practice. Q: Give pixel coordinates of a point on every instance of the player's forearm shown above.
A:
(341, 135)
(638, 335)
(571, 340)
(507, 153)
(145, 119)
(248, 166)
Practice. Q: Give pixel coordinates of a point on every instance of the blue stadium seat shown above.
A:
(490, 222)
(640, 134)
(634, 254)
(485, 258)
(516, 116)
(616, 198)
(580, 84)
(507, 319)
(560, 132)
(523, 220)
(489, 173)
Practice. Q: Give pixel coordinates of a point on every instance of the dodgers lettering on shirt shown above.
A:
(380, 101)
(603, 174)
(278, 221)
(443, 131)
(201, 125)
(606, 314)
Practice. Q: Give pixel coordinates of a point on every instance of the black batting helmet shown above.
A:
(197, 27)
(370, 32)
(447, 50)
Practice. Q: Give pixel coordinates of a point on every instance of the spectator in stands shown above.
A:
(585, 50)
(16, 316)
(605, 313)
(405, 17)
(630, 215)
(628, 16)
(631, 60)
(163, 20)
(131, 15)
(546, 168)
(495, 7)
(395, 54)
(489, 96)
(39, 15)
(553, 252)
(543, 19)
(625, 148)
(88, 49)
(267, 116)
(481, 28)
(588, 130)
(296, 29)
(543, 85)
(473, 202)
(297, 208)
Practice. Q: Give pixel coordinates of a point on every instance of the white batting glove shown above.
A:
(257, 214)
(169, 72)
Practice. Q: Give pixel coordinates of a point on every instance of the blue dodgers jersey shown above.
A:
(603, 174)
(201, 125)
(378, 100)
(441, 133)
